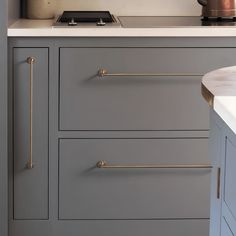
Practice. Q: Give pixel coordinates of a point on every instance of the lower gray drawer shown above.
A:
(198, 227)
(86, 192)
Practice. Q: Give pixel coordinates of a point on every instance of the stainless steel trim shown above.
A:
(30, 61)
(104, 72)
(104, 165)
(115, 24)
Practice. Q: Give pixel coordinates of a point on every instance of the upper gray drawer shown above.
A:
(89, 102)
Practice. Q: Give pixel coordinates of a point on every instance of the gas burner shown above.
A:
(219, 19)
(86, 19)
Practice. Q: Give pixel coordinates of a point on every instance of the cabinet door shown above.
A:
(229, 194)
(229, 190)
(30, 133)
(225, 229)
(215, 153)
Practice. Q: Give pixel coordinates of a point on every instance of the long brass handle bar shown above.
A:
(30, 61)
(104, 73)
(105, 165)
(218, 183)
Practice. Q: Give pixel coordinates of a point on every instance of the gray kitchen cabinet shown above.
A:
(80, 118)
(30, 93)
(223, 207)
(3, 121)
(215, 154)
(226, 231)
(229, 176)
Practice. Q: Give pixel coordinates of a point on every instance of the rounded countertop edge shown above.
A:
(122, 32)
(207, 95)
(220, 82)
(219, 90)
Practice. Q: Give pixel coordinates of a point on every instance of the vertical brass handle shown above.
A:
(30, 61)
(218, 183)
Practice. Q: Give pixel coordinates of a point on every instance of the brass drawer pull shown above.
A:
(104, 72)
(218, 183)
(105, 165)
(30, 61)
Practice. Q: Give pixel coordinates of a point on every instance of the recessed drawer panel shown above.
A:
(225, 229)
(89, 192)
(30, 134)
(230, 176)
(145, 88)
(175, 227)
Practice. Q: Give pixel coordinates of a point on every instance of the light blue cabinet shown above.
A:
(225, 229)
(223, 195)
(215, 156)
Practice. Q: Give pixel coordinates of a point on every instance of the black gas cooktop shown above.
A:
(79, 18)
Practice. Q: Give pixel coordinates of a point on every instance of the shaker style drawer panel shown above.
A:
(89, 192)
(172, 227)
(143, 88)
(230, 177)
(193, 227)
(225, 229)
(30, 133)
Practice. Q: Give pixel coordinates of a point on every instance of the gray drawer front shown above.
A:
(88, 102)
(30, 185)
(185, 227)
(86, 192)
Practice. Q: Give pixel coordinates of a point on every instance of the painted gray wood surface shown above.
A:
(197, 227)
(31, 185)
(215, 157)
(225, 229)
(3, 121)
(229, 193)
(228, 218)
(86, 192)
(223, 220)
(228, 178)
(61, 170)
(120, 103)
(88, 102)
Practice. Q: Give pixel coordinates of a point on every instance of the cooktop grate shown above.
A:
(85, 17)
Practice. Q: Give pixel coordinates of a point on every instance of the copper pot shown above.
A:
(218, 8)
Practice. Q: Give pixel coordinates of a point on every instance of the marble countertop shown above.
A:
(219, 90)
(135, 27)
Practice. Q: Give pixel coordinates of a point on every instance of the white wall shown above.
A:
(134, 7)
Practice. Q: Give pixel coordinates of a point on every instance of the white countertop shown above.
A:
(221, 84)
(43, 28)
